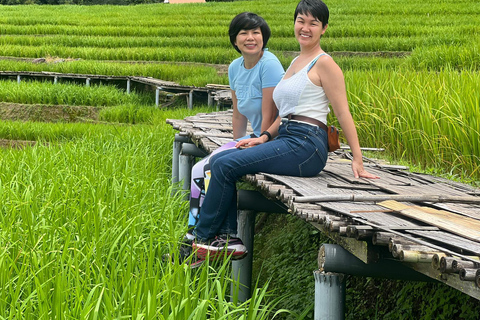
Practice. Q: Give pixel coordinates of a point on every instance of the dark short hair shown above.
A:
(316, 8)
(248, 21)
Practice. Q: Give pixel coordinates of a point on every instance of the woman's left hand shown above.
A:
(360, 172)
(250, 142)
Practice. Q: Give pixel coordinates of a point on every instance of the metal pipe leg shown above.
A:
(329, 296)
(185, 164)
(157, 96)
(190, 100)
(177, 146)
(242, 269)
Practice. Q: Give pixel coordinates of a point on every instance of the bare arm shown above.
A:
(332, 81)
(251, 142)
(239, 121)
(269, 110)
(270, 120)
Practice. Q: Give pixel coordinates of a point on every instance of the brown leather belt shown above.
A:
(308, 120)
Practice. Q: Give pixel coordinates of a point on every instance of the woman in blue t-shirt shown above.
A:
(252, 78)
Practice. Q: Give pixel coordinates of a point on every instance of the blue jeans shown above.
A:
(299, 150)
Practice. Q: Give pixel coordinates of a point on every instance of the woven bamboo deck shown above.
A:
(427, 223)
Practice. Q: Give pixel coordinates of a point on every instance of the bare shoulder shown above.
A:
(327, 71)
(326, 65)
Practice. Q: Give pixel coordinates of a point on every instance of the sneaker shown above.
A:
(189, 237)
(185, 249)
(217, 247)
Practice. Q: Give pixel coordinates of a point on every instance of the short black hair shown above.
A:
(316, 8)
(248, 21)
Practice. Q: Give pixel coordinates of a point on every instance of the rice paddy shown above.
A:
(88, 210)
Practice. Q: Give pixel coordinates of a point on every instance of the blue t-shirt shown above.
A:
(248, 85)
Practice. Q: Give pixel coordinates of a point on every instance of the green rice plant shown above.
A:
(206, 55)
(86, 222)
(427, 118)
(128, 114)
(465, 56)
(114, 42)
(66, 94)
(143, 33)
(186, 74)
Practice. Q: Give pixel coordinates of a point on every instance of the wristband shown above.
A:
(266, 133)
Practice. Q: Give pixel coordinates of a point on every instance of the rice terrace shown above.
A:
(89, 210)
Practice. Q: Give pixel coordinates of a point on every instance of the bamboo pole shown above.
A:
(416, 256)
(467, 274)
(436, 260)
(457, 265)
(446, 265)
(378, 198)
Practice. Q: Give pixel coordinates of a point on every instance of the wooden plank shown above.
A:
(468, 210)
(463, 226)
(380, 219)
(459, 243)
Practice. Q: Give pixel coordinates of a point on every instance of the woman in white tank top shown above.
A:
(311, 83)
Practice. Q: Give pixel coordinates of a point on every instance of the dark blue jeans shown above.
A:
(299, 150)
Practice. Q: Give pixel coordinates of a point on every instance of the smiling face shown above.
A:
(249, 42)
(308, 30)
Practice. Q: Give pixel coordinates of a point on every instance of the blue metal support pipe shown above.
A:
(177, 148)
(242, 269)
(329, 296)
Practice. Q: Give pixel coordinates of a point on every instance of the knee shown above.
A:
(222, 165)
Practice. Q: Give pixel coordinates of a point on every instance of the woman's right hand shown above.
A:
(251, 142)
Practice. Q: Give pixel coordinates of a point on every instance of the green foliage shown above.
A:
(407, 300)
(285, 256)
(128, 114)
(141, 32)
(187, 74)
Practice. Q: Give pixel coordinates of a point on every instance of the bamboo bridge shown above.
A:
(405, 225)
(212, 93)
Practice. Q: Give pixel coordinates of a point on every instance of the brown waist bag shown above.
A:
(333, 139)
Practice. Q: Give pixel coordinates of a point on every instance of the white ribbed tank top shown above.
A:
(298, 95)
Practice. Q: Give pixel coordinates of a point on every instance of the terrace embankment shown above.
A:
(15, 144)
(47, 113)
